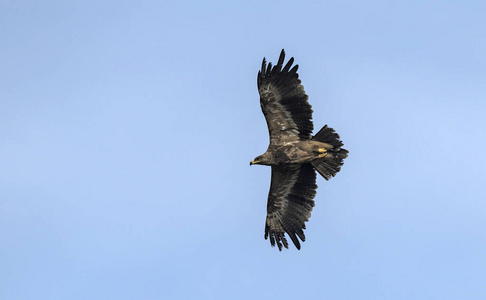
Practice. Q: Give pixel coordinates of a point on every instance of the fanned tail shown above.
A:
(332, 162)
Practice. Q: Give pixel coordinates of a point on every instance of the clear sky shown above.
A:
(127, 127)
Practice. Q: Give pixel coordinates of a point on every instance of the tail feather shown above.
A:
(332, 162)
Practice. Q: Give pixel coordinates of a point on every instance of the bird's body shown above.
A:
(293, 152)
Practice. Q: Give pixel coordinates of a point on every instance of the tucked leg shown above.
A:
(322, 152)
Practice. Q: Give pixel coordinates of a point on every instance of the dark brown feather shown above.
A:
(330, 165)
(290, 202)
(284, 102)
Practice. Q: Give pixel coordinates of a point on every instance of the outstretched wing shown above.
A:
(284, 102)
(290, 202)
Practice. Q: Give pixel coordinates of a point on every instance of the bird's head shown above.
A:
(259, 160)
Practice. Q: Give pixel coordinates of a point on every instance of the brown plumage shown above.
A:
(293, 152)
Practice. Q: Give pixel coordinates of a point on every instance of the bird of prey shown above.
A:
(293, 153)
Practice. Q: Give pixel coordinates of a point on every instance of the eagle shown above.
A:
(293, 153)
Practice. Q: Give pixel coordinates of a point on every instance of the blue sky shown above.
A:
(127, 129)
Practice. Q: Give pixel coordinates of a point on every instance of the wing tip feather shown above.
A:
(264, 65)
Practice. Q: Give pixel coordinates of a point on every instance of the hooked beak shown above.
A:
(253, 162)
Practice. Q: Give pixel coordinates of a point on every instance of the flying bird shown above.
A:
(293, 153)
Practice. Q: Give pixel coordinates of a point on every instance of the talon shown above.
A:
(322, 150)
(321, 155)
